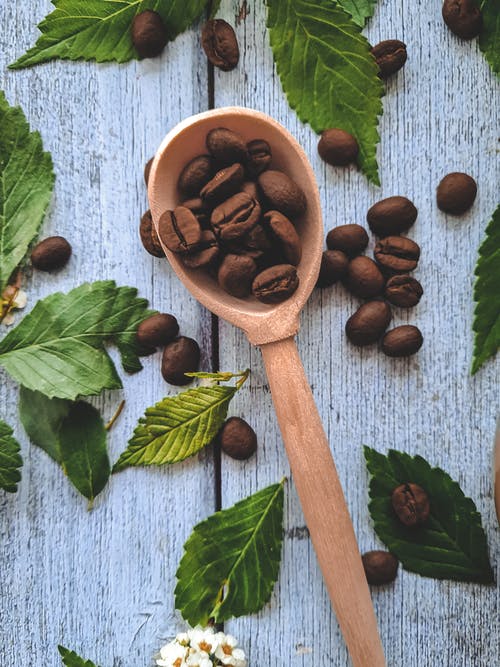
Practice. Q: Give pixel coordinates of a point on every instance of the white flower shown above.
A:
(197, 659)
(203, 641)
(182, 638)
(227, 652)
(173, 655)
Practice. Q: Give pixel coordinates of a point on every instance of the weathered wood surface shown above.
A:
(102, 582)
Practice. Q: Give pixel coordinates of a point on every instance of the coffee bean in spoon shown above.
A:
(390, 216)
(204, 254)
(276, 283)
(403, 290)
(200, 210)
(456, 193)
(235, 217)
(180, 356)
(284, 236)
(179, 230)
(220, 44)
(226, 147)
(333, 268)
(225, 183)
(337, 147)
(351, 239)
(157, 330)
(282, 193)
(236, 274)
(367, 325)
(259, 157)
(364, 278)
(195, 175)
(237, 439)
(390, 56)
(149, 237)
(402, 341)
(397, 254)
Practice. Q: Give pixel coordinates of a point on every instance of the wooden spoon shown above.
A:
(272, 328)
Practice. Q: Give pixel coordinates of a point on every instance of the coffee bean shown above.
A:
(235, 217)
(364, 278)
(411, 504)
(220, 44)
(51, 254)
(204, 254)
(250, 187)
(157, 330)
(351, 239)
(391, 216)
(397, 254)
(225, 183)
(285, 238)
(463, 17)
(149, 34)
(200, 209)
(259, 157)
(195, 175)
(282, 193)
(147, 170)
(276, 283)
(333, 267)
(381, 567)
(226, 146)
(368, 323)
(402, 341)
(403, 291)
(237, 439)
(236, 274)
(149, 237)
(255, 244)
(390, 56)
(179, 230)
(338, 147)
(180, 356)
(456, 193)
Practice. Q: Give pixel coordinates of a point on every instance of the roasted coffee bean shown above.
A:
(149, 34)
(368, 323)
(456, 193)
(402, 341)
(463, 17)
(225, 183)
(195, 175)
(147, 170)
(381, 567)
(237, 439)
(282, 193)
(390, 216)
(205, 253)
(364, 278)
(157, 330)
(149, 237)
(236, 274)
(390, 56)
(411, 504)
(250, 187)
(351, 239)
(338, 147)
(397, 254)
(180, 356)
(276, 283)
(201, 211)
(235, 217)
(259, 157)
(255, 244)
(285, 238)
(220, 44)
(226, 146)
(179, 230)
(333, 268)
(51, 254)
(403, 291)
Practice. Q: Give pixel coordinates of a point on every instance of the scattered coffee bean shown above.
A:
(195, 175)
(456, 193)
(276, 283)
(402, 341)
(237, 439)
(333, 267)
(390, 56)
(463, 17)
(179, 230)
(397, 254)
(259, 157)
(149, 237)
(51, 254)
(235, 217)
(411, 504)
(149, 34)
(338, 147)
(351, 239)
(226, 147)
(381, 567)
(286, 239)
(180, 356)
(368, 323)
(157, 330)
(220, 44)
(205, 253)
(403, 291)
(282, 193)
(236, 274)
(225, 183)
(391, 216)
(364, 278)
(147, 169)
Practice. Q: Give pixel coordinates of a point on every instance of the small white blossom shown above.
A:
(202, 647)
(172, 655)
(227, 652)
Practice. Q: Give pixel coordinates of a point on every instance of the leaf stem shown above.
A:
(118, 412)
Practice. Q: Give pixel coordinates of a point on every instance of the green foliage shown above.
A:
(70, 659)
(360, 10)
(10, 459)
(489, 39)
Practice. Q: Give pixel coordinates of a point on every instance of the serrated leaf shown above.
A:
(26, 184)
(177, 427)
(100, 29)
(487, 295)
(231, 560)
(59, 348)
(489, 38)
(327, 71)
(42, 418)
(71, 659)
(214, 8)
(360, 10)
(10, 459)
(451, 544)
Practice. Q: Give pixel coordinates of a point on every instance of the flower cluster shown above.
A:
(202, 648)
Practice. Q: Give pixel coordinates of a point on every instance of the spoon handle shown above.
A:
(323, 502)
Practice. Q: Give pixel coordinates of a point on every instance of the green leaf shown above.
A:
(70, 659)
(26, 184)
(10, 459)
(44, 432)
(59, 348)
(100, 29)
(489, 38)
(360, 10)
(214, 8)
(232, 559)
(451, 544)
(487, 296)
(327, 71)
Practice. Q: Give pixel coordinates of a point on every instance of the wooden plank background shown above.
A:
(102, 582)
